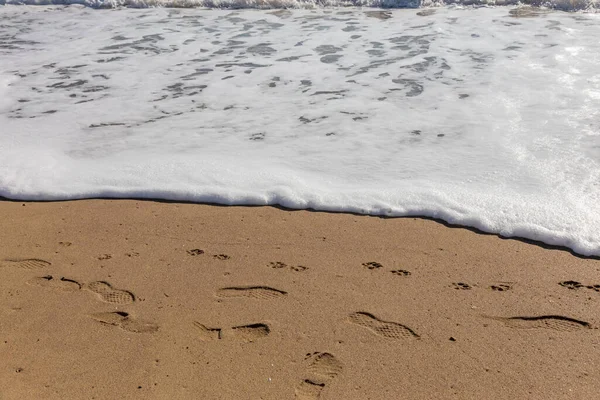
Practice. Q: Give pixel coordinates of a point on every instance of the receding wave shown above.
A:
(564, 5)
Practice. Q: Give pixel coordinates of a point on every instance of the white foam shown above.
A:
(471, 116)
(5, 101)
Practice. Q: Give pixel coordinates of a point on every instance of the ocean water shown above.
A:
(485, 117)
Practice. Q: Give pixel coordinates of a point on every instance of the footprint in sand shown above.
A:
(372, 265)
(497, 287)
(387, 329)
(108, 294)
(277, 265)
(321, 370)
(207, 334)
(48, 281)
(195, 252)
(124, 321)
(281, 265)
(595, 288)
(254, 292)
(26, 263)
(500, 287)
(461, 286)
(248, 333)
(554, 322)
(574, 285)
(243, 333)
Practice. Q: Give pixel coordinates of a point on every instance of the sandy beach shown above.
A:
(125, 299)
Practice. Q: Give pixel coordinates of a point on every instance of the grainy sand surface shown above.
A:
(126, 299)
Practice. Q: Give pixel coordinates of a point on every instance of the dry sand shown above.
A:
(148, 300)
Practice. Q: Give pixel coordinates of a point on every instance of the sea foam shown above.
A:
(478, 117)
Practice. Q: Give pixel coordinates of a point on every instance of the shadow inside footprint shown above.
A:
(461, 286)
(372, 265)
(207, 334)
(571, 284)
(48, 281)
(277, 265)
(500, 287)
(195, 252)
(574, 285)
(554, 322)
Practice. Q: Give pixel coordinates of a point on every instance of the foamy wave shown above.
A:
(564, 5)
(466, 115)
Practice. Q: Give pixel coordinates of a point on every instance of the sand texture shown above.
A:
(128, 299)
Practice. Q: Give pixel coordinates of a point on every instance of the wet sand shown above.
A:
(126, 299)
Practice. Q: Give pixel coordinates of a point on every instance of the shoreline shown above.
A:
(282, 208)
(152, 300)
